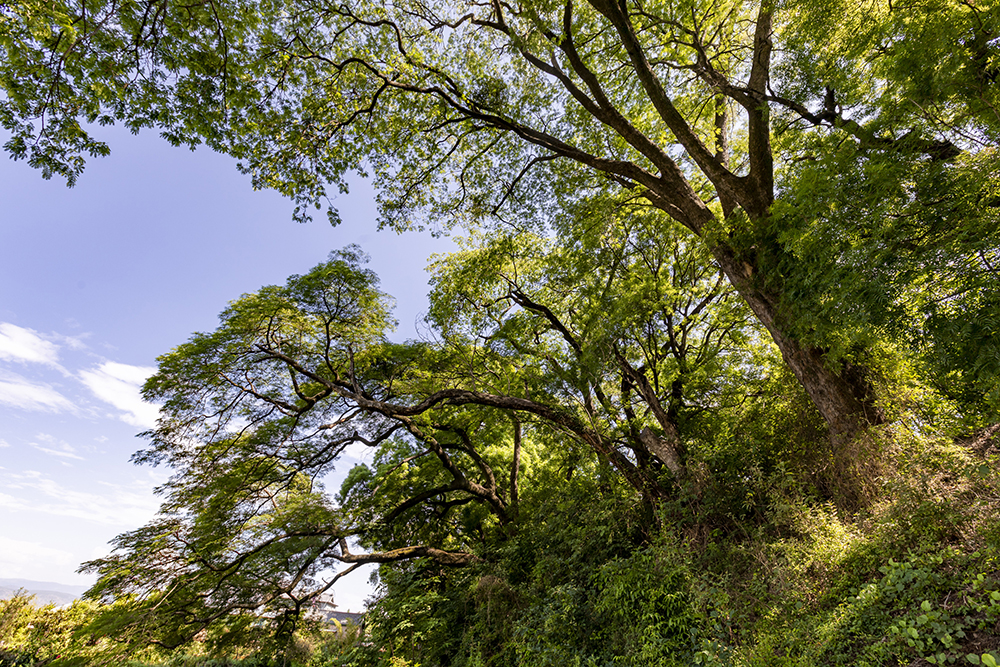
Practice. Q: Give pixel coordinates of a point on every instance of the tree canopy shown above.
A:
(736, 120)
(546, 354)
(724, 263)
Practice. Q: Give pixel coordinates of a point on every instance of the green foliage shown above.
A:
(745, 559)
(808, 586)
(601, 459)
(514, 447)
(689, 261)
(416, 622)
(846, 190)
(914, 262)
(246, 506)
(645, 609)
(908, 579)
(36, 635)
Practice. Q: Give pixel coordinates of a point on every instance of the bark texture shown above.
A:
(845, 399)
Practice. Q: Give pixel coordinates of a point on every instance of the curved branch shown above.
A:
(832, 116)
(452, 558)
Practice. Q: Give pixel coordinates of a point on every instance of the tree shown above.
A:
(600, 354)
(473, 111)
(620, 316)
(255, 414)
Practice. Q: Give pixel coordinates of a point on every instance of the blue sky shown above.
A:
(98, 280)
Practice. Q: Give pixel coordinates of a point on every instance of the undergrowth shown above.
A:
(912, 579)
(907, 575)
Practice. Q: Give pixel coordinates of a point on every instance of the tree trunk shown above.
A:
(846, 399)
(515, 466)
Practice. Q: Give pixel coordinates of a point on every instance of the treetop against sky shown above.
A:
(711, 111)
(96, 282)
(835, 163)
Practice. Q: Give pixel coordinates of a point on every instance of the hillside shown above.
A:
(45, 592)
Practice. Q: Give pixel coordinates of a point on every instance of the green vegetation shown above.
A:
(506, 536)
(712, 379)
(33, 635)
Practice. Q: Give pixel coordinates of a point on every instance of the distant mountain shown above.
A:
(44, 591)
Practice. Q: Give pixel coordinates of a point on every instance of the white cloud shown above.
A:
(4, 443)
(117, 505)
(357, 453)
(56, 452)
(62, 448)
(18, 557)
(26, 345)
(119, 385)
(22, 393)
(73, 342)
(12, 503)
(100, 551)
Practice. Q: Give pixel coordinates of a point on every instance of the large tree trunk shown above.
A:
(845, 399)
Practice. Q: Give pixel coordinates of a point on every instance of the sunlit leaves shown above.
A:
(621, 285)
